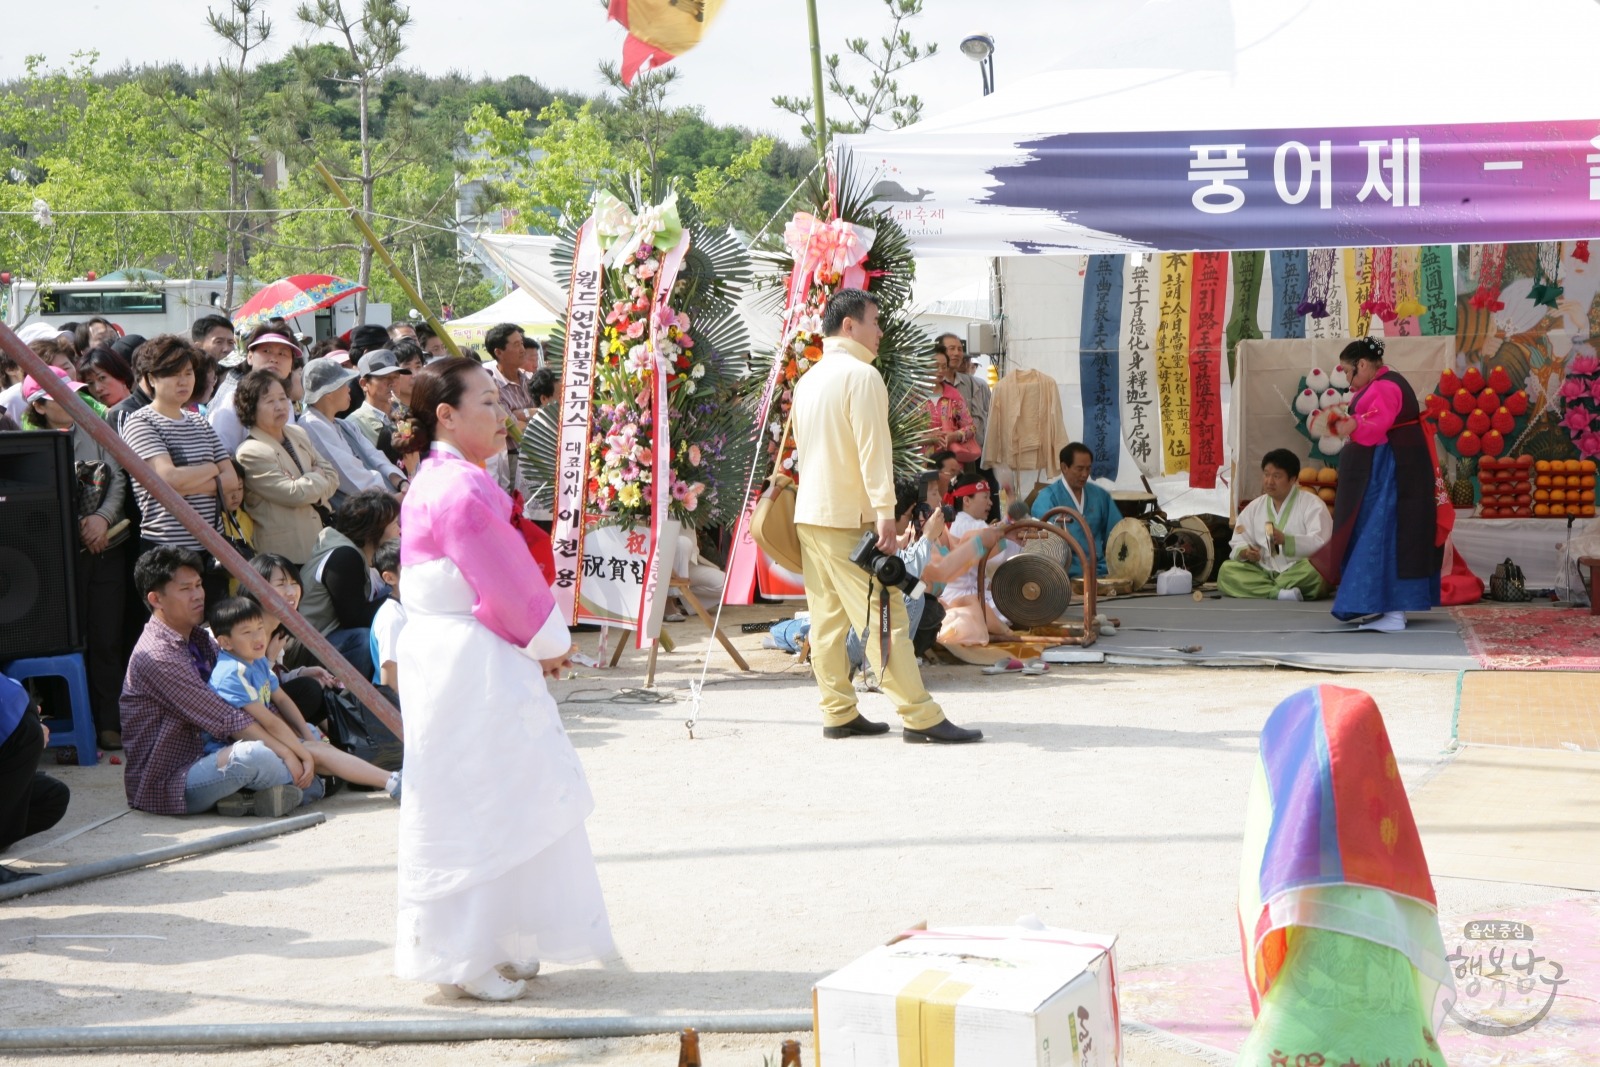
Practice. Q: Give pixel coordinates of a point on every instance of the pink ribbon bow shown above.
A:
(823, 250)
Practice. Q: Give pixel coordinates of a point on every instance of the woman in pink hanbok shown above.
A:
(495, 868)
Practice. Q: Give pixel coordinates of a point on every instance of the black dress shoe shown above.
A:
(8, 875)
(859, 726)
(943, 732)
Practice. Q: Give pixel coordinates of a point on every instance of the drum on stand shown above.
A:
(1131, 552)
(1048, 545)
(1133, 503)
(1219, 533)
(1189, 548)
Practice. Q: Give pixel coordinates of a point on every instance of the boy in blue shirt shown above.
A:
(243, 677)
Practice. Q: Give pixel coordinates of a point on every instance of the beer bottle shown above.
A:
(791, 1053)
(689, 1048)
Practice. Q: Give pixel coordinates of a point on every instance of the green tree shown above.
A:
(881, 105)
(368, 47)
(227, 118)
(69, 144)
(324, 242)
(640, 121)
(547, 176)
(731, 195)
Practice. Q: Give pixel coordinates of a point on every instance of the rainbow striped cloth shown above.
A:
(1330, 841)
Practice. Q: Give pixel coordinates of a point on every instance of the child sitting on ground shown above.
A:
(390, 619)
(243, 677)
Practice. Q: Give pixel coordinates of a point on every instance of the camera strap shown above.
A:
(883, 629)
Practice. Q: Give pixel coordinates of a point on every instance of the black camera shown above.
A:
(886, 568)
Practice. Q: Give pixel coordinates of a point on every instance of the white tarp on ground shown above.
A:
(1462, 80)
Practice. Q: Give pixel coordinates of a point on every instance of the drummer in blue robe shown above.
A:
(1074, 490)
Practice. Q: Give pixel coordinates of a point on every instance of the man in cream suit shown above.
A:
(846, 487)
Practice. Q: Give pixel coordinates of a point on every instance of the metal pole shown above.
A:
(466, 1028)
(388, 261)
(816, 79)
(82, 873)
(208, 536)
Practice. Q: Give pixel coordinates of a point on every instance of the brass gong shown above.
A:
(1031, 590)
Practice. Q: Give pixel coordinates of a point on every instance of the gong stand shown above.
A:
(1086, 560)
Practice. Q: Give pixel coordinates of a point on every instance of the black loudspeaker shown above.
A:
(38, 546)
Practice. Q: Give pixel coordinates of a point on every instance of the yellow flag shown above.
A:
(660, 30)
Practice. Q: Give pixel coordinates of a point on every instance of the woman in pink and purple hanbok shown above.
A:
(496, 873)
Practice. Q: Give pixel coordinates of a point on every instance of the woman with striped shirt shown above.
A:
(182, 448)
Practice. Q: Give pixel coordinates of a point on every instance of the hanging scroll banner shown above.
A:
(577, 391)
(1436, 290)
(1172, 361)
(1242, 322)
(1288, 291)
(1141, 308)
(1205, 367)
(1407, 264)
(1098, 337)
(650, 608)
(1333, 295)
(1358, 284)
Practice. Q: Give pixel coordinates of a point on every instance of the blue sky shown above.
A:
(756, 49)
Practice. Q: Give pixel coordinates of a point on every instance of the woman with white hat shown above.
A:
(359, 464)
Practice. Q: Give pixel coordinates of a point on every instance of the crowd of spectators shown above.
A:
(290, 455)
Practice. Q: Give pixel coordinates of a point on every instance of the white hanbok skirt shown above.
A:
(495, 864)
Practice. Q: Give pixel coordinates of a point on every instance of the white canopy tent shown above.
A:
(519, 306)
(525, 259)
(1253, 66)
(1073, 160)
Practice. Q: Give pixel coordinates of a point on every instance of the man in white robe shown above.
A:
(1276, 534)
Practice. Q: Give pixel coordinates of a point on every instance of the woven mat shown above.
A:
(1514, 815)
(1507, 637)
(1529, 709)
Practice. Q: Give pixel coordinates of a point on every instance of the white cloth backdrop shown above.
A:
(1262, 418)
(1532, 544)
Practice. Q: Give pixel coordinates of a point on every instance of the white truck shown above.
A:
(148, 304)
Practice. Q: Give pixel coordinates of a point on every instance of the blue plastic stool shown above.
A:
(70, 667)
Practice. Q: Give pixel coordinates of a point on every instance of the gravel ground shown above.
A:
(739, 866)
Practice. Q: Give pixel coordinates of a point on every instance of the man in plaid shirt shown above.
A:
(167, 703)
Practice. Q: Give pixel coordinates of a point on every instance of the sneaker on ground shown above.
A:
(277, 800)
(486, 987)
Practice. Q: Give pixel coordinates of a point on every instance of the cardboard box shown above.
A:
(974, 996)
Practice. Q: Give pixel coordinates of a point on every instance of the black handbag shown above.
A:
(1506, 583)
(354, 728)
(94, 482)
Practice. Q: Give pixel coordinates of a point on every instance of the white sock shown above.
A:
(1391, 622)
(1290, 593)
(392, 786)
